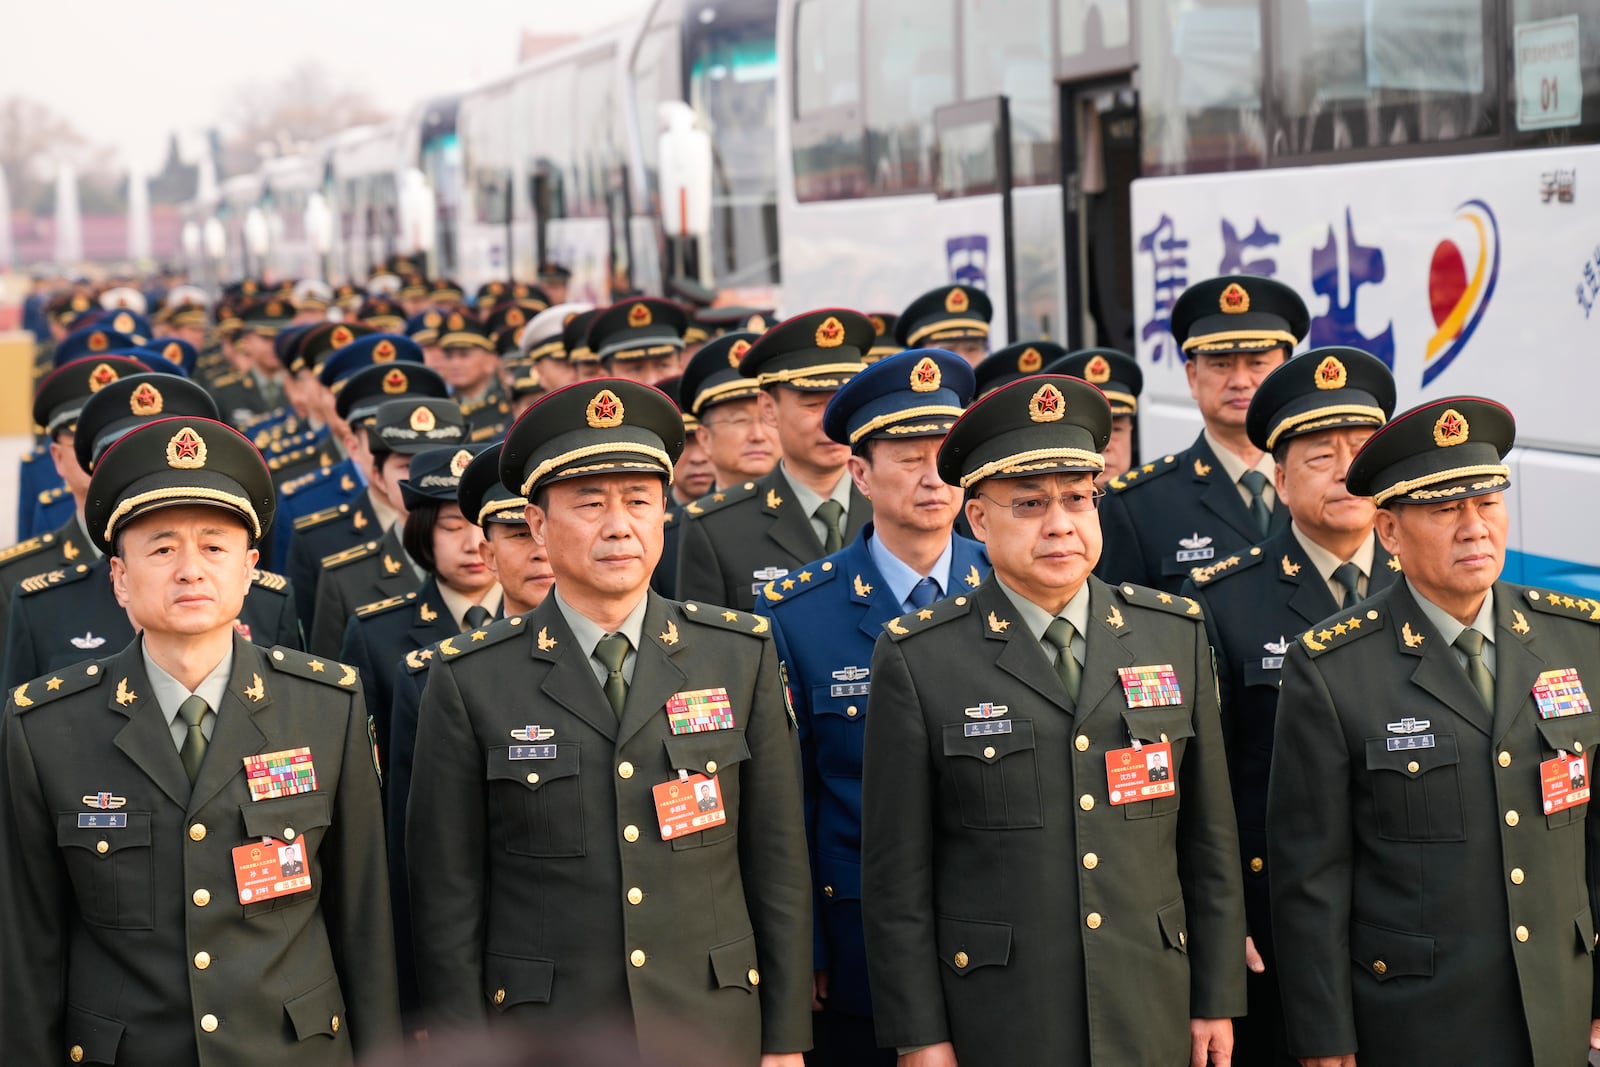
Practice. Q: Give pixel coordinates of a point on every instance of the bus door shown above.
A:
(1100, 155)
(972, 186)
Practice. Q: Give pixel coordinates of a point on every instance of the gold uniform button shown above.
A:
(827, 890)
(102, 847)
(754, 976)
(1379, 967)
(1183, 939)
(202, 960)
(852, 711)
(711, 766)
(637, 957)
(1522, 933)
(625, 769)
(635, 895)
(1517, 876)
(1081, 743)
(1257, 864)
(499, 996)
(333, 1024)
(533, 779)
(1090, 861)
(197, 832)
(1577, 746)
(1512, 818)
(630, 833)
(75, 1053)
(1093, 920)
(202, 897)
(1086, 802)
(288, 833)
(961, 960)
(208, 1023)
(988, 752)
(1504, 759)
(1413, 766)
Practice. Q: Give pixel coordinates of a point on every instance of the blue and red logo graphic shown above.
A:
(1461, 282)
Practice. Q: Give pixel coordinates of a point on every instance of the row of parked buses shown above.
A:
(559, 160)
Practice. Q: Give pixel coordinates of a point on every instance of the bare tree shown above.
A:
(304, 105)
(34, 139)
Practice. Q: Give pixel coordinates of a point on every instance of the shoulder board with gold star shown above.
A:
(38, 583)
(223, 380)
(26, 548)
(419, 659)
(64, 682)
(486, 433)
(277, 583)
(727, 618)
(289, 459)
(304, 481)
(1233, 563)
(458, 645)
(317, 518)
(305, 665)
(941, 611)
(1144, 473)
(1341, 630)
(719, 500)
(349, 555)
(1140, 596)
(50, 496)
(378, 607)
(1554, 603)
(812, 576)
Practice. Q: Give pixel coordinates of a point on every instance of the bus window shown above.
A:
(594, 134)
(906, 81)
(826, 126)
(1200, 85)
(1012, 57)
(654, 78)
(1404, 72)
(1542, 109)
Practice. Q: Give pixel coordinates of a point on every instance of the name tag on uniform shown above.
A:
(1142, 773)
(102, 820)
(699, 710)
(1560, 693)
(688, 805)
(1406, 744)
(1150, 687)
(270, 868)
(986, 729)
(280, 774)
(533, 752)
(1564, 782)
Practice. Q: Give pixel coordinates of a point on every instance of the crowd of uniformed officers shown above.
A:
(384, 664)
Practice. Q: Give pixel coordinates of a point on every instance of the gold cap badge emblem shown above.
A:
(1047, 405)
(395, 383)
(98, 342)
(639, 315)
(1451, 429)
(123, 323)
(925, 376)
(342, 336)
(102, 376)
(432, 320)
(459, 461)
(1331, 374)
(956, 301)
(422, 420)
(1029, 361)
(736, 352)
(878, 325)
(172, 353)
(605, 410)
(383, 352)
(831, 333)
(1234, 300)
(145, 400)
(186, 451)
(515, 317)
(1097, 370)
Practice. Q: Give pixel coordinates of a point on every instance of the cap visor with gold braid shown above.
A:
(1046, 424)
(483, 497)
(594, 427)
(916, 393)
(1444, 450)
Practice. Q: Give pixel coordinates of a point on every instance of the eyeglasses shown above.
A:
(1036, 507)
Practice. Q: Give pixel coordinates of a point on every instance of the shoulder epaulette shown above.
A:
(727, 618)
(304, 481)
(1144, 597)
(378, 607)
(305, 665)
(288, 459)
(317, 518)
(485, 433)
(269, 580)
(935, 614)
(65, 682)
(458, 645)
(349, 555)
(720, 499)
(1234, 562)
(51, 579)
(50, 496)
(1139, 475)
(418, 659)
(1342, 629)
(1553, 603)
(812, 576)
(222, 380)
(26, 548)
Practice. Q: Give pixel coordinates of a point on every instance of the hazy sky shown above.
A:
(127, 73)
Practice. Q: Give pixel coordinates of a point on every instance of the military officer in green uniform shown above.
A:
(1311, 414)
(560, 868)
(1433, 871)
(191, 868)
(1216, 496)
(1049, 860)
(807, 507)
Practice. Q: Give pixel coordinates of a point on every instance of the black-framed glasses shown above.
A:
(1077, 502)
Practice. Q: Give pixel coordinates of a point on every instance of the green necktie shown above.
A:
(1470, 644)
(1058, 635)
(831, 512)
(1256, 483)
(1348, 575)
(475, 617)
(611, 650)
(192, 711)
